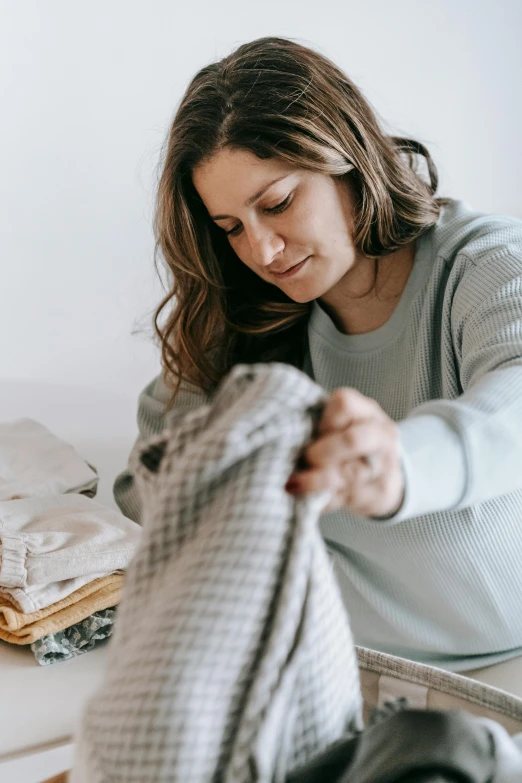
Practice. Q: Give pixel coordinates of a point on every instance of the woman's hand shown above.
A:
(355, 456)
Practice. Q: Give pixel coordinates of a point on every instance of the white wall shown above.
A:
(86, 92)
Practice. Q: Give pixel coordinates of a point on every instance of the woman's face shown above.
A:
(290, 226)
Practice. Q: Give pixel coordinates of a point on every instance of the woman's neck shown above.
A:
(366, 298)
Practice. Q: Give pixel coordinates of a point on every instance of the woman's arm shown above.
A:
(455, 453)
(152, 419)
(469, 450)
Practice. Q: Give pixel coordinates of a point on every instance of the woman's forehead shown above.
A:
(234, 177)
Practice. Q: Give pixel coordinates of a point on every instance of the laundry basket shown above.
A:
(385, 677)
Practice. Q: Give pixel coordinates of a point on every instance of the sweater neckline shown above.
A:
(322, 325)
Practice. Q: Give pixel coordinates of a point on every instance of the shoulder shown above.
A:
(472, 236)
(156, 409)
(481, 253)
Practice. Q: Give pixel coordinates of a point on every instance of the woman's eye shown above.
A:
(279, 207)
(234, 231)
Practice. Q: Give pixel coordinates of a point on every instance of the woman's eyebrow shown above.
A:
(254, 198)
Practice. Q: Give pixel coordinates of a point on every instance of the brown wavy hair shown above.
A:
(276, 99)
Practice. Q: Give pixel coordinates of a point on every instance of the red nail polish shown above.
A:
(292, 486)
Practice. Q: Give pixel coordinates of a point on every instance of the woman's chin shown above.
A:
(304, 291)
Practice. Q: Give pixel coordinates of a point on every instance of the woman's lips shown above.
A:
(292, 270)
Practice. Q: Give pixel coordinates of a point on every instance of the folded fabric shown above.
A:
(52, 546)
(420, 746)
(34, 462)
(80, 638)
(232, 658)
(432, 745)
(19, 628)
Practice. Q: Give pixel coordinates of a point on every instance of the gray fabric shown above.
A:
(401, 745)
(411, 746)
(232, 657)
(424, 746)
(75, 640)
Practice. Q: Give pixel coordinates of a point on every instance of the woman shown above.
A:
(296, 230)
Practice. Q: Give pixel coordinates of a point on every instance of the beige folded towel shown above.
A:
(20, 628)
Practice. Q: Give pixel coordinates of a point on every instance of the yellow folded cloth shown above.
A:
(20, 628)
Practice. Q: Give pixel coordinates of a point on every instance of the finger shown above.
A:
(358, 473)
(356, 441)
(360, 497)
(309, 481)
(377, 497)
(335, 478)
(345, 406)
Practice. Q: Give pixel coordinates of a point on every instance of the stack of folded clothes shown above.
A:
(62, 555)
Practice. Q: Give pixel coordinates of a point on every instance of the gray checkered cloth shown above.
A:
(232, 659)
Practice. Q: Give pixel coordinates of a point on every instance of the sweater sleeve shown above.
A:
(460, 452)
(152, 418)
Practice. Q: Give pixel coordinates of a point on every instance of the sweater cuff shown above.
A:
(434, 466)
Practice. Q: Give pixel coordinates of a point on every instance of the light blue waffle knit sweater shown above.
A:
(440, 582)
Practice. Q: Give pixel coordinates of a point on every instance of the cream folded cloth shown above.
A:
(34, 462)
(52, 546)
(17, 627)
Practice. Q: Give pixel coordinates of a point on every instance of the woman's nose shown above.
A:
(265, 245)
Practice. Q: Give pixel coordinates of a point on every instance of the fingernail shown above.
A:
(292, 486)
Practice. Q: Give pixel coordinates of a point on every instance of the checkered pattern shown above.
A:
(232, 658)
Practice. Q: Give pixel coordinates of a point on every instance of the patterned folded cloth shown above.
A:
(18, 627)
(232, 658)
(76, 640)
